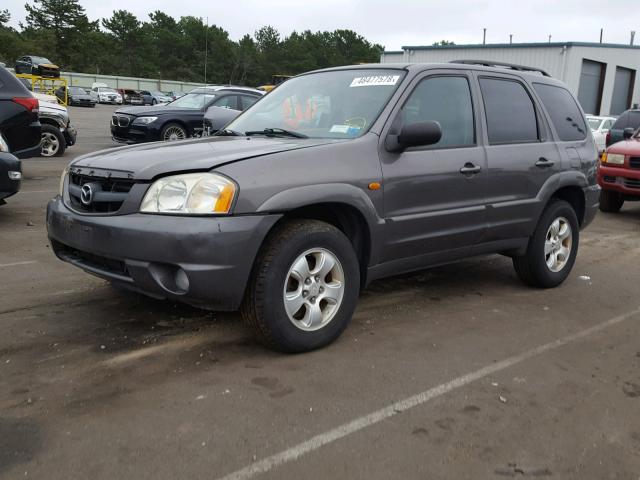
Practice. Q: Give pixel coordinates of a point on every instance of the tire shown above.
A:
(274, 276)
(610, 202)
(173, 131)
(154, 101)
(53, 142)
(533, 267)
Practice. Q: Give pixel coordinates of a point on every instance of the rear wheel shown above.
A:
(610, 202)
(53, 143)
(552, 249)
(304, 287)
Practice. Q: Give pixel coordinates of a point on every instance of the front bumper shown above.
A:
(620, 179)
(134, 133)
(145, 252)
(70, 135)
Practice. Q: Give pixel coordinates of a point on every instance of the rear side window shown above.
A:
(446, 100)
(247, 101)
(563, 110)
(511, 116)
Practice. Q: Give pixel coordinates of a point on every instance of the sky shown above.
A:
(394, 24)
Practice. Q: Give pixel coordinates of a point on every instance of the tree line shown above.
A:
(172, 49)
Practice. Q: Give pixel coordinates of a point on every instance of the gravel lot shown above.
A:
(459, 372)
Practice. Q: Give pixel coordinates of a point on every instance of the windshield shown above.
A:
(193, 100)
(77, 91)
(335, 104)
(40, 60)
(594, 123)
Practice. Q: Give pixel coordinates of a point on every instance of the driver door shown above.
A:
(434, 196)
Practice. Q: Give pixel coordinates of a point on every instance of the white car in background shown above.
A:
(102, 93)
(600, 126)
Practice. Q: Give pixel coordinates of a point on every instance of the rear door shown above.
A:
(434, 195)
(521, 156)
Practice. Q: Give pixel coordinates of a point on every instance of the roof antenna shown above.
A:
(633, 35)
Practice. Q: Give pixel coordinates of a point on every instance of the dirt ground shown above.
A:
(459, 372)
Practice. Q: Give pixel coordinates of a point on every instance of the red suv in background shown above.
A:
(619, 172)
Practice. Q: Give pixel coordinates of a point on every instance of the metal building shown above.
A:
(602, 75)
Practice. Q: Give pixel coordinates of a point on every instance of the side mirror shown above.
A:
(219, 117)
(627, 133)
(414, 135)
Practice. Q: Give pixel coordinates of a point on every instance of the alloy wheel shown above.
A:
(313, 289)
(557, 244)
(50, 145)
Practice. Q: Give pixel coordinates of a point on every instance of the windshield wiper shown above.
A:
(226, 132)
(274, 132)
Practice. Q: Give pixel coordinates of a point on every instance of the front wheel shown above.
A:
(552, 249)
(304, 287)
(173, 131)
(53, 143)
(610, 202)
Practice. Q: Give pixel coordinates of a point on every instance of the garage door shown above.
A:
(622, 90)
(590, 89)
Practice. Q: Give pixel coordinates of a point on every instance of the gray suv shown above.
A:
(336, 178)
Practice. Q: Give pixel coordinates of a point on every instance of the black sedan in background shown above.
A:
(76, 96)
(179, 119)
(10, 176)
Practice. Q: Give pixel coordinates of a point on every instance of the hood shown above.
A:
(626, 147)
(147, 161)
(156, 110)
(52, 106)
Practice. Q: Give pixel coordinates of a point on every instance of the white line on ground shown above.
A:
(16, 264)
(314, 443)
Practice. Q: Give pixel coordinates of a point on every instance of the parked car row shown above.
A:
(181, 118)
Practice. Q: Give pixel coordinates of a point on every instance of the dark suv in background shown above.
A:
(628, 120)
(336, 178)
(19, 124)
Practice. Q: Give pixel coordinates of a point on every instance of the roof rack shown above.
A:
(488, 63)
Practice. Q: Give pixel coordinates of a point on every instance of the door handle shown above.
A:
(544, 163)
(470, 169)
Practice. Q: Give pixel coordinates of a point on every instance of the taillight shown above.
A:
(30, 103)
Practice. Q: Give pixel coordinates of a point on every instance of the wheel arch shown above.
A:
(345, 206)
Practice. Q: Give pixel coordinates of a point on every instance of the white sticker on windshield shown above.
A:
(374, 80)
(339, 129)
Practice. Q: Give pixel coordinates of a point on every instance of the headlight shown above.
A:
(613, 158)
(144, 120)
(191, 193)
(62, 179)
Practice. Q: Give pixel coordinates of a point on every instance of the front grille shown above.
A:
(634, 162)
(108, 265)
(121, 120)
(632, 182)
(107, 193)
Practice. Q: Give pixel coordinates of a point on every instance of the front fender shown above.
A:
(333, 193)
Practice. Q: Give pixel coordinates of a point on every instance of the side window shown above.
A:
(607, 125)
(563, 110)
(228, 101)
(95, 89)
(509, 110)
(622, 121)
(247, 101)
(634, 120)
(446, 100)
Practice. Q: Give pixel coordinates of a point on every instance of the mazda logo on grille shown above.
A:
(86, 194)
